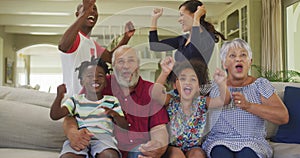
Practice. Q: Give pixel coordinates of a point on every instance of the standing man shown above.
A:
(77, 46)
(147, 135)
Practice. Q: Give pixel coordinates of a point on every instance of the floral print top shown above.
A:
(186, 131)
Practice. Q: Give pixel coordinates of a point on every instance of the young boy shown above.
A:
(92, 110)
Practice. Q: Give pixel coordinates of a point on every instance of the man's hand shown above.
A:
(79, 139)
(129, 29)
(152, 149)
(88, 4)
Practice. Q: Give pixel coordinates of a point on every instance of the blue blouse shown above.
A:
(236, 128)
(201, 45)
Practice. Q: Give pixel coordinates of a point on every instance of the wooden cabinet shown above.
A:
(243, 20)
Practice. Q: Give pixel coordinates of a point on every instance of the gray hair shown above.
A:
(126, 48)
(235, 43)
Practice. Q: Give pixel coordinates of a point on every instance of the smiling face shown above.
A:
(237, 62)
(126, 67)
(93, 79)
(91, 20)
(185, 19)
(187, 84)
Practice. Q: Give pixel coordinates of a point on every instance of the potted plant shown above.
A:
(278, 76)
(279, 79)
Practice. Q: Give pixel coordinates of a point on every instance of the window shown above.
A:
(292, 33)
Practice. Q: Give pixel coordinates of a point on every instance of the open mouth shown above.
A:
(239, 68)
(187, 90)
(126, 75)
(91, 18)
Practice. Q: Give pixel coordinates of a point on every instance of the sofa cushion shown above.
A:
(289, 133)
(29, 126)
(285, 150)
(26, 153)
(29, 96)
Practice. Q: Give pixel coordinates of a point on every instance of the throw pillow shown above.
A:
(289, 133)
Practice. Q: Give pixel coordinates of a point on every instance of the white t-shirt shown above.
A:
(82, 50)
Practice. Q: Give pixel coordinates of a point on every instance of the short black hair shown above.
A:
(94, 61)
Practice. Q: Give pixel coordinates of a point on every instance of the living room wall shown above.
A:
(7, 51)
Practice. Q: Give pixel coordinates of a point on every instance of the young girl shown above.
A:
(93, 111)
(187, 110)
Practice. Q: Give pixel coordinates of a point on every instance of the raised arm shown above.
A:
(158, 92)
(154, 42)
(200, 37)
(68, 38)
(129, 32)
(224, 98)
(57, 111)
(156, 14)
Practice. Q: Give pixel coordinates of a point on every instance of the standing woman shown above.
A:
(200, 40)
(239, 130)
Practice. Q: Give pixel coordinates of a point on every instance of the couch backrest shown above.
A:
(279, 86)
(25, 121)
(28, 96)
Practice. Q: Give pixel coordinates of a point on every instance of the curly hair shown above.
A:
(94, 61)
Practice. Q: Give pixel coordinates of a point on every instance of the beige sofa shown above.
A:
(26, 130)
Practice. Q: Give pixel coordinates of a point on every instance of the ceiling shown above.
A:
(52, 17)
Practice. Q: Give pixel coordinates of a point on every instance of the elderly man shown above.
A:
(147, 135)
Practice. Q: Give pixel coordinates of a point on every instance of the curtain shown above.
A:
(271, 53)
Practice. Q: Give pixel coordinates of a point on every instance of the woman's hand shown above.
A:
(201, 10)
(157, 13)
(240, 100)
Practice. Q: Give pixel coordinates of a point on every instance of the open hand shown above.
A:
(129, 29)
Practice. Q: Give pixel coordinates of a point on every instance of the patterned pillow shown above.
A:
(289, 133)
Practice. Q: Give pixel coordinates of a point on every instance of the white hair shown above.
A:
(126, 48)
(235, 43)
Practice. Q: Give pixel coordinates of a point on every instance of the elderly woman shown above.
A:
(237, 130)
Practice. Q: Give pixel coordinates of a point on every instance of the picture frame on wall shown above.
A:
(9, 70)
